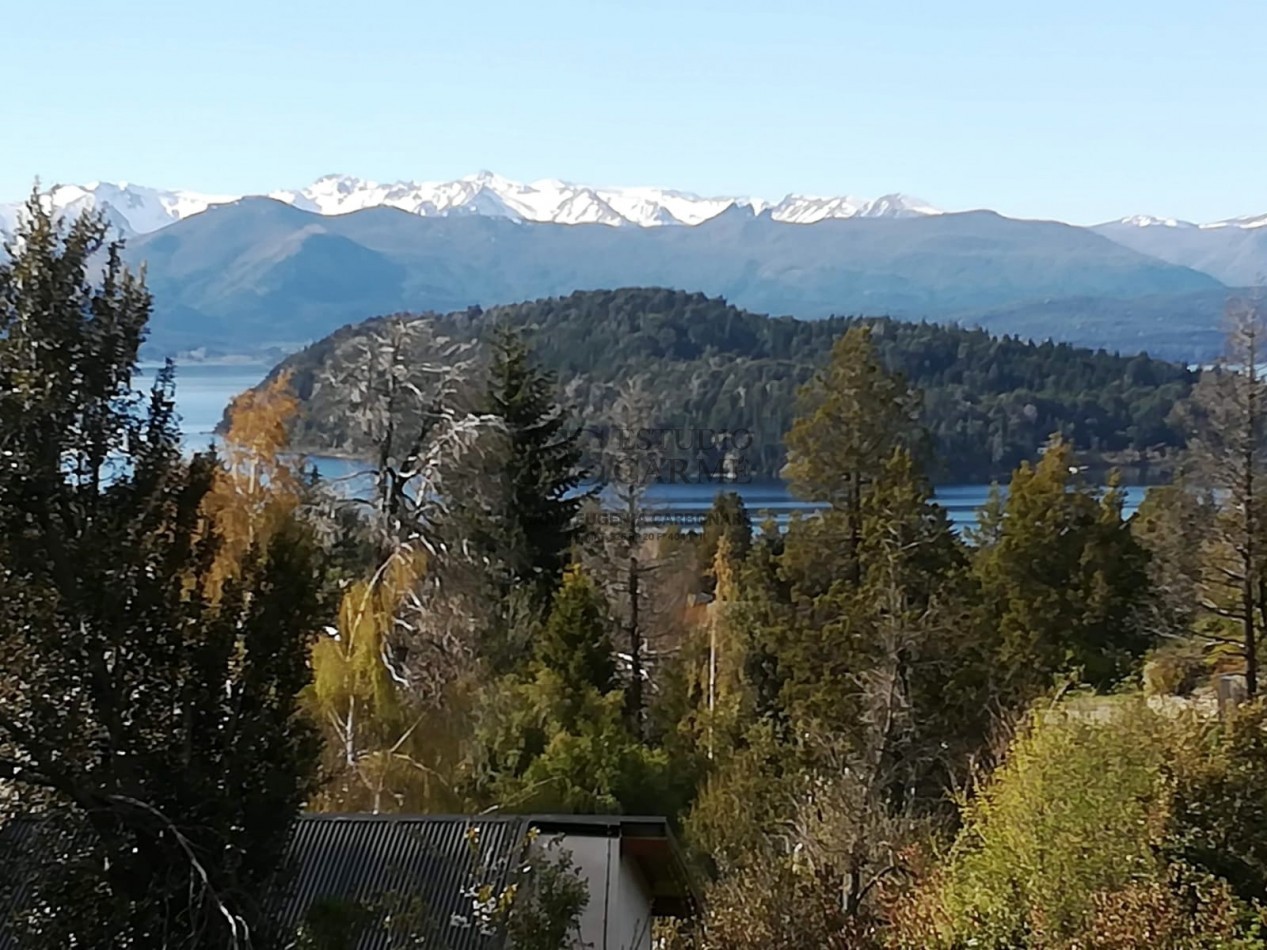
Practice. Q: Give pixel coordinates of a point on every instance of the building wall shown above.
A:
(618, 915)
(629, 914)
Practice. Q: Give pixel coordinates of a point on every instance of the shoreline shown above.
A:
(1096, 475)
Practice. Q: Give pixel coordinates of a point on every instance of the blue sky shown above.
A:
(1081, 111)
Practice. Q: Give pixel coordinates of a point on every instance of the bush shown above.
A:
(1218, 808)
(772, 903)
(1175, 669)
(1107, 826)
(1063, 819)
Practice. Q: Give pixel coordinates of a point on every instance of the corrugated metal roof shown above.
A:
(17, 840)
(410, 872)
(26, 845)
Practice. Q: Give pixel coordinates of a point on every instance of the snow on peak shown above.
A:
(1244, 223)
(137, 209)
(131, 209)
(1151, 221)
(804, 209)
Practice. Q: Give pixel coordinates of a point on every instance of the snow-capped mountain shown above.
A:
(1244, 223)
(562, 202)
(136, 209)
(133, 209)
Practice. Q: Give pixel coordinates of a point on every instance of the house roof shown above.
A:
(406, 869)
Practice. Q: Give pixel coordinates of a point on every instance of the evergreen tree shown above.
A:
(853, 414)
(756, 619)
(989, 401)
(840, 632)
(1174, 524)
(575, 642)
(922, 671)
(542, 467)
(557, 740)
(1064, 584)
(148, 700)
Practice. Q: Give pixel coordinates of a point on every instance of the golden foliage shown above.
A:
(386, 751)
(258, 485)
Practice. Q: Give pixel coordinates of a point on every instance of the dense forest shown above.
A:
(988, 402)
(869, 731)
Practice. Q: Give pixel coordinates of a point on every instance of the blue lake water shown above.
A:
(203, 391)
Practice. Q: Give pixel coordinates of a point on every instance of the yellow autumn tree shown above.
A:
(258, 485)
(726, 650)
(383, 740)
(387, 747)
(714, 657)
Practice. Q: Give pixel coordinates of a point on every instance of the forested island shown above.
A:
(987, 402)
(869, 731)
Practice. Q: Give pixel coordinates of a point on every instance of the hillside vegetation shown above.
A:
(988, 401)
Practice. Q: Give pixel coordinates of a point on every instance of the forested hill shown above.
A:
(988, 401)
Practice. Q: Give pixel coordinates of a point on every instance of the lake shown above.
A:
(203, 391)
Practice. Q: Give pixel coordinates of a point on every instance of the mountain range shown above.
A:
(137, 209)
(235, 274)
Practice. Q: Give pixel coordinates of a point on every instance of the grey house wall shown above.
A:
(618, 915)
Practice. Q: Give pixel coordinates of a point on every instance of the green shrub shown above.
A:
(1175, 669)
(1107, 826)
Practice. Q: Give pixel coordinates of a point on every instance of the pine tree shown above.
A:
(557, 739)
(528, 537)
(861, 760)
(921, 670)
(840, 631)
(852, 415)
(543, 466)
(1173, 524)
(575, 642)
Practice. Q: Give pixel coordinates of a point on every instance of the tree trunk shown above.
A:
(855, 527)
(635, 650)
(1251, 646)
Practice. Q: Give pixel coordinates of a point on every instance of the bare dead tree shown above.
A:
(1173, 523)
(632, 458)
(1229, 457)
(407, 396)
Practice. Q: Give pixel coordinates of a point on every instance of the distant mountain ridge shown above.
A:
(259, 271)
(137, 209)
(1234, 251)
(237, 274)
